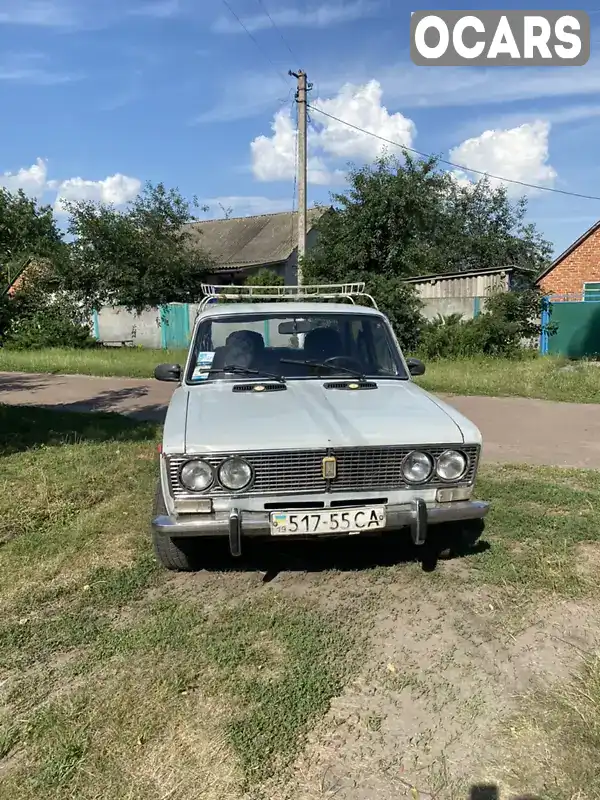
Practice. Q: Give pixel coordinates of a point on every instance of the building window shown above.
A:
(591, 292)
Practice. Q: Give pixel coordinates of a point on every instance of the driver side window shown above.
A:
(381, 345)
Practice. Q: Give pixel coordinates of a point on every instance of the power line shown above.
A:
(255, 40)
(452, 164)
(278, 29)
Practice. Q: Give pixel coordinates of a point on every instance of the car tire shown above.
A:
(458, 539)
(173, 553)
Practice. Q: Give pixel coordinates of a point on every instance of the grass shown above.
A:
(122, 362)
(111, 684)
(544, 377)
(119, 680)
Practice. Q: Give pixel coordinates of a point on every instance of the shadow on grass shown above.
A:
(351, 554)
(491, 792)
(25, 427)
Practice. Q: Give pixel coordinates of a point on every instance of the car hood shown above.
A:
(306, 415)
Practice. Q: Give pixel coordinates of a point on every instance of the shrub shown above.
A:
(56, 325)
(508, 321)
(41, 315)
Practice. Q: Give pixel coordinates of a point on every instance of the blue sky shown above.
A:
(100, 96)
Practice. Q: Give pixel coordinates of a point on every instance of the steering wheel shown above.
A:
(344, 361)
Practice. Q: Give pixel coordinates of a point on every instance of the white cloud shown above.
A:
(323, 16)
(361, 106)
(40, 13)
(117, 189)
(33, 68)
(158, 9)
(274, 157)
(420, 87)
(32, 180)
(520, 154)
(408, 86)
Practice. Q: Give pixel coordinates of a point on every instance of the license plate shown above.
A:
(337, 521)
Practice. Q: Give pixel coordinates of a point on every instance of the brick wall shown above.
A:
(579, 267)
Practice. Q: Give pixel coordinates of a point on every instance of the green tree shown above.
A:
(405, 218)
(265, 277)
(138, 257)
(28, 230)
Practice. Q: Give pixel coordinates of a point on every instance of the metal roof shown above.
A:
(470, 273)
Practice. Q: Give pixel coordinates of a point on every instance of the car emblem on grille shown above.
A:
(259, 388)
(329, 468)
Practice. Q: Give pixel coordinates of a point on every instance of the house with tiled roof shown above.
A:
(241, 246)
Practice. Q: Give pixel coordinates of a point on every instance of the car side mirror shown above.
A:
(415, 367)
(168, 372)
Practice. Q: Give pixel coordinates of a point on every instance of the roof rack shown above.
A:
(332, 291)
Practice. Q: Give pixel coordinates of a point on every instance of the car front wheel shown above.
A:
(174, 553)
(454, 540)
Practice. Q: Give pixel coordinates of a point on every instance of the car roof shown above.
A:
(290, 308)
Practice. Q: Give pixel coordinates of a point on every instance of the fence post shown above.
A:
(545, 321)
(96, 323)
(476, 306)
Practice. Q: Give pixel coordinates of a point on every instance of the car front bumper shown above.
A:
(416, 515)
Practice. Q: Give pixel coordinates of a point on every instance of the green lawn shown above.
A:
(122, 362)
(119, 680)
(545, 378)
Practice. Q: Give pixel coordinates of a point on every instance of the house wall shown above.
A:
(579, 267)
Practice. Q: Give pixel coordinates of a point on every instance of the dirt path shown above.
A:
(514, 429)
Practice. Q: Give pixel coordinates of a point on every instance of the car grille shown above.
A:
(300, 471)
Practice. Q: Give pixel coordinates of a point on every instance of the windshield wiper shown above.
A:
(237, 369)
(322, 365)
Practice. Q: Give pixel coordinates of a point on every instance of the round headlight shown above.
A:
(451, 465)
(197, 475)
(235, 473)
(417, 467)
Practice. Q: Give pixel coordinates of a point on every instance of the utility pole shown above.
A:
(301, 99)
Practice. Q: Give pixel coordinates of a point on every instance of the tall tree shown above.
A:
(138, 257)
(27, 230)
(406, 218)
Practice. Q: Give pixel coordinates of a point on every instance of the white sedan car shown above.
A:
(297, 419)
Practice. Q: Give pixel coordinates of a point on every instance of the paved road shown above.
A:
(514, 429)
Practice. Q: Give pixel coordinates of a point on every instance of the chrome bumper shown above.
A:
(237, 523)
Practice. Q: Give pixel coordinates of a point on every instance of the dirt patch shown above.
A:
(425, 716)
(588, 560)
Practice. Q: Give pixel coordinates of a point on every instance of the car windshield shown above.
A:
(293, 346)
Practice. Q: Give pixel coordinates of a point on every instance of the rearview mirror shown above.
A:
(415, 367)
(168, 372)
(294, 326)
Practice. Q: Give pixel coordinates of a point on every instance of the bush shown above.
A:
(40, 315)
(53, 326)
(509, 319)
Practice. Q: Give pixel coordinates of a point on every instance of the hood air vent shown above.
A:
(352, 386)
(259, 388)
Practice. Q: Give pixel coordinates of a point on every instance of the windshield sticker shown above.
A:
(203, 365)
